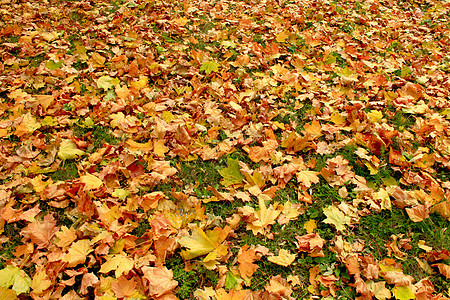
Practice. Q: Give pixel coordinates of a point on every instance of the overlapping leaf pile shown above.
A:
(144, 142)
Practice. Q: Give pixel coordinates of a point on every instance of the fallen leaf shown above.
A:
(119, 263)
(245, 258)
(403, 293)
(15, 278)
(92, 182)
(336, 217)
(443, 269)
(209, 67)
(284, 258)
(160, 280)
(69, 150)
(41, 232)
(379, 290)
(231, 174)
(78, 253)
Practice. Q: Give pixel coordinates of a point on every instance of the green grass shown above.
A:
(12, 231)
(188, 282)
(67, 171)
(377, 231)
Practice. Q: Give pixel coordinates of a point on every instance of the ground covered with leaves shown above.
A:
(224, 149)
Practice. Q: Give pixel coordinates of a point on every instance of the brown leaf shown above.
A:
(443, 269)
(41, 232)
(160, 281)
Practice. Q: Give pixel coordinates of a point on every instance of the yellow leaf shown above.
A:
(40, 282)
(337, 119)
(120, 193)
(314, 128)
(96, 60)
(375, 116)
(443, 209)
(264, 217)
(15, 278)
(421, 245)
(403, 293)
(68, 150)
(383, 196)
(141, 83)
(77, 253)
(310, 225)
(39, 185)
(159, 148)
(181, 21)
(201, 243)
(307, 178)
(284, 258)
(379, 290)
(65, 236)
(336, 217)
(27, 126)
(135, 146)
(281, 37)
(92, 182)
(7, 294)
(121, 263)
(45, 100)
(290, 212)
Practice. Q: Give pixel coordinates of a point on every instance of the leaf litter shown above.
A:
(314, 115)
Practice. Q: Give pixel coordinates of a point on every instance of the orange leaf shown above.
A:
(42, 232)
(123, 287)
(314, 129)
(160, 280)
(245, 258)
(443, 269)
(419, 212)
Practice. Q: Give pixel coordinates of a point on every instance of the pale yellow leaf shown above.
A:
(284, 258)
(92, 182)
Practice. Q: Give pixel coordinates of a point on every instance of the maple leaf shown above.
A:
(379, 290)
(336, 217)
(307, 178)
(311, 243)
(443, 269)
(41, 232)
(107, 82)
(314, 129)
(40, 282)
(160, 280)
(7, 294)
(284, 258)
(265, 216)
(310, 225)
(65, 237)
(209, 66)
(78, 252)
(231, 174)
(27, 126)
(201, 243)
(290, 212)
(123, 287)
(15, 278)
(120, 263)
(69, 150)
(92, 182)
(245, 258)
(403, 293)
